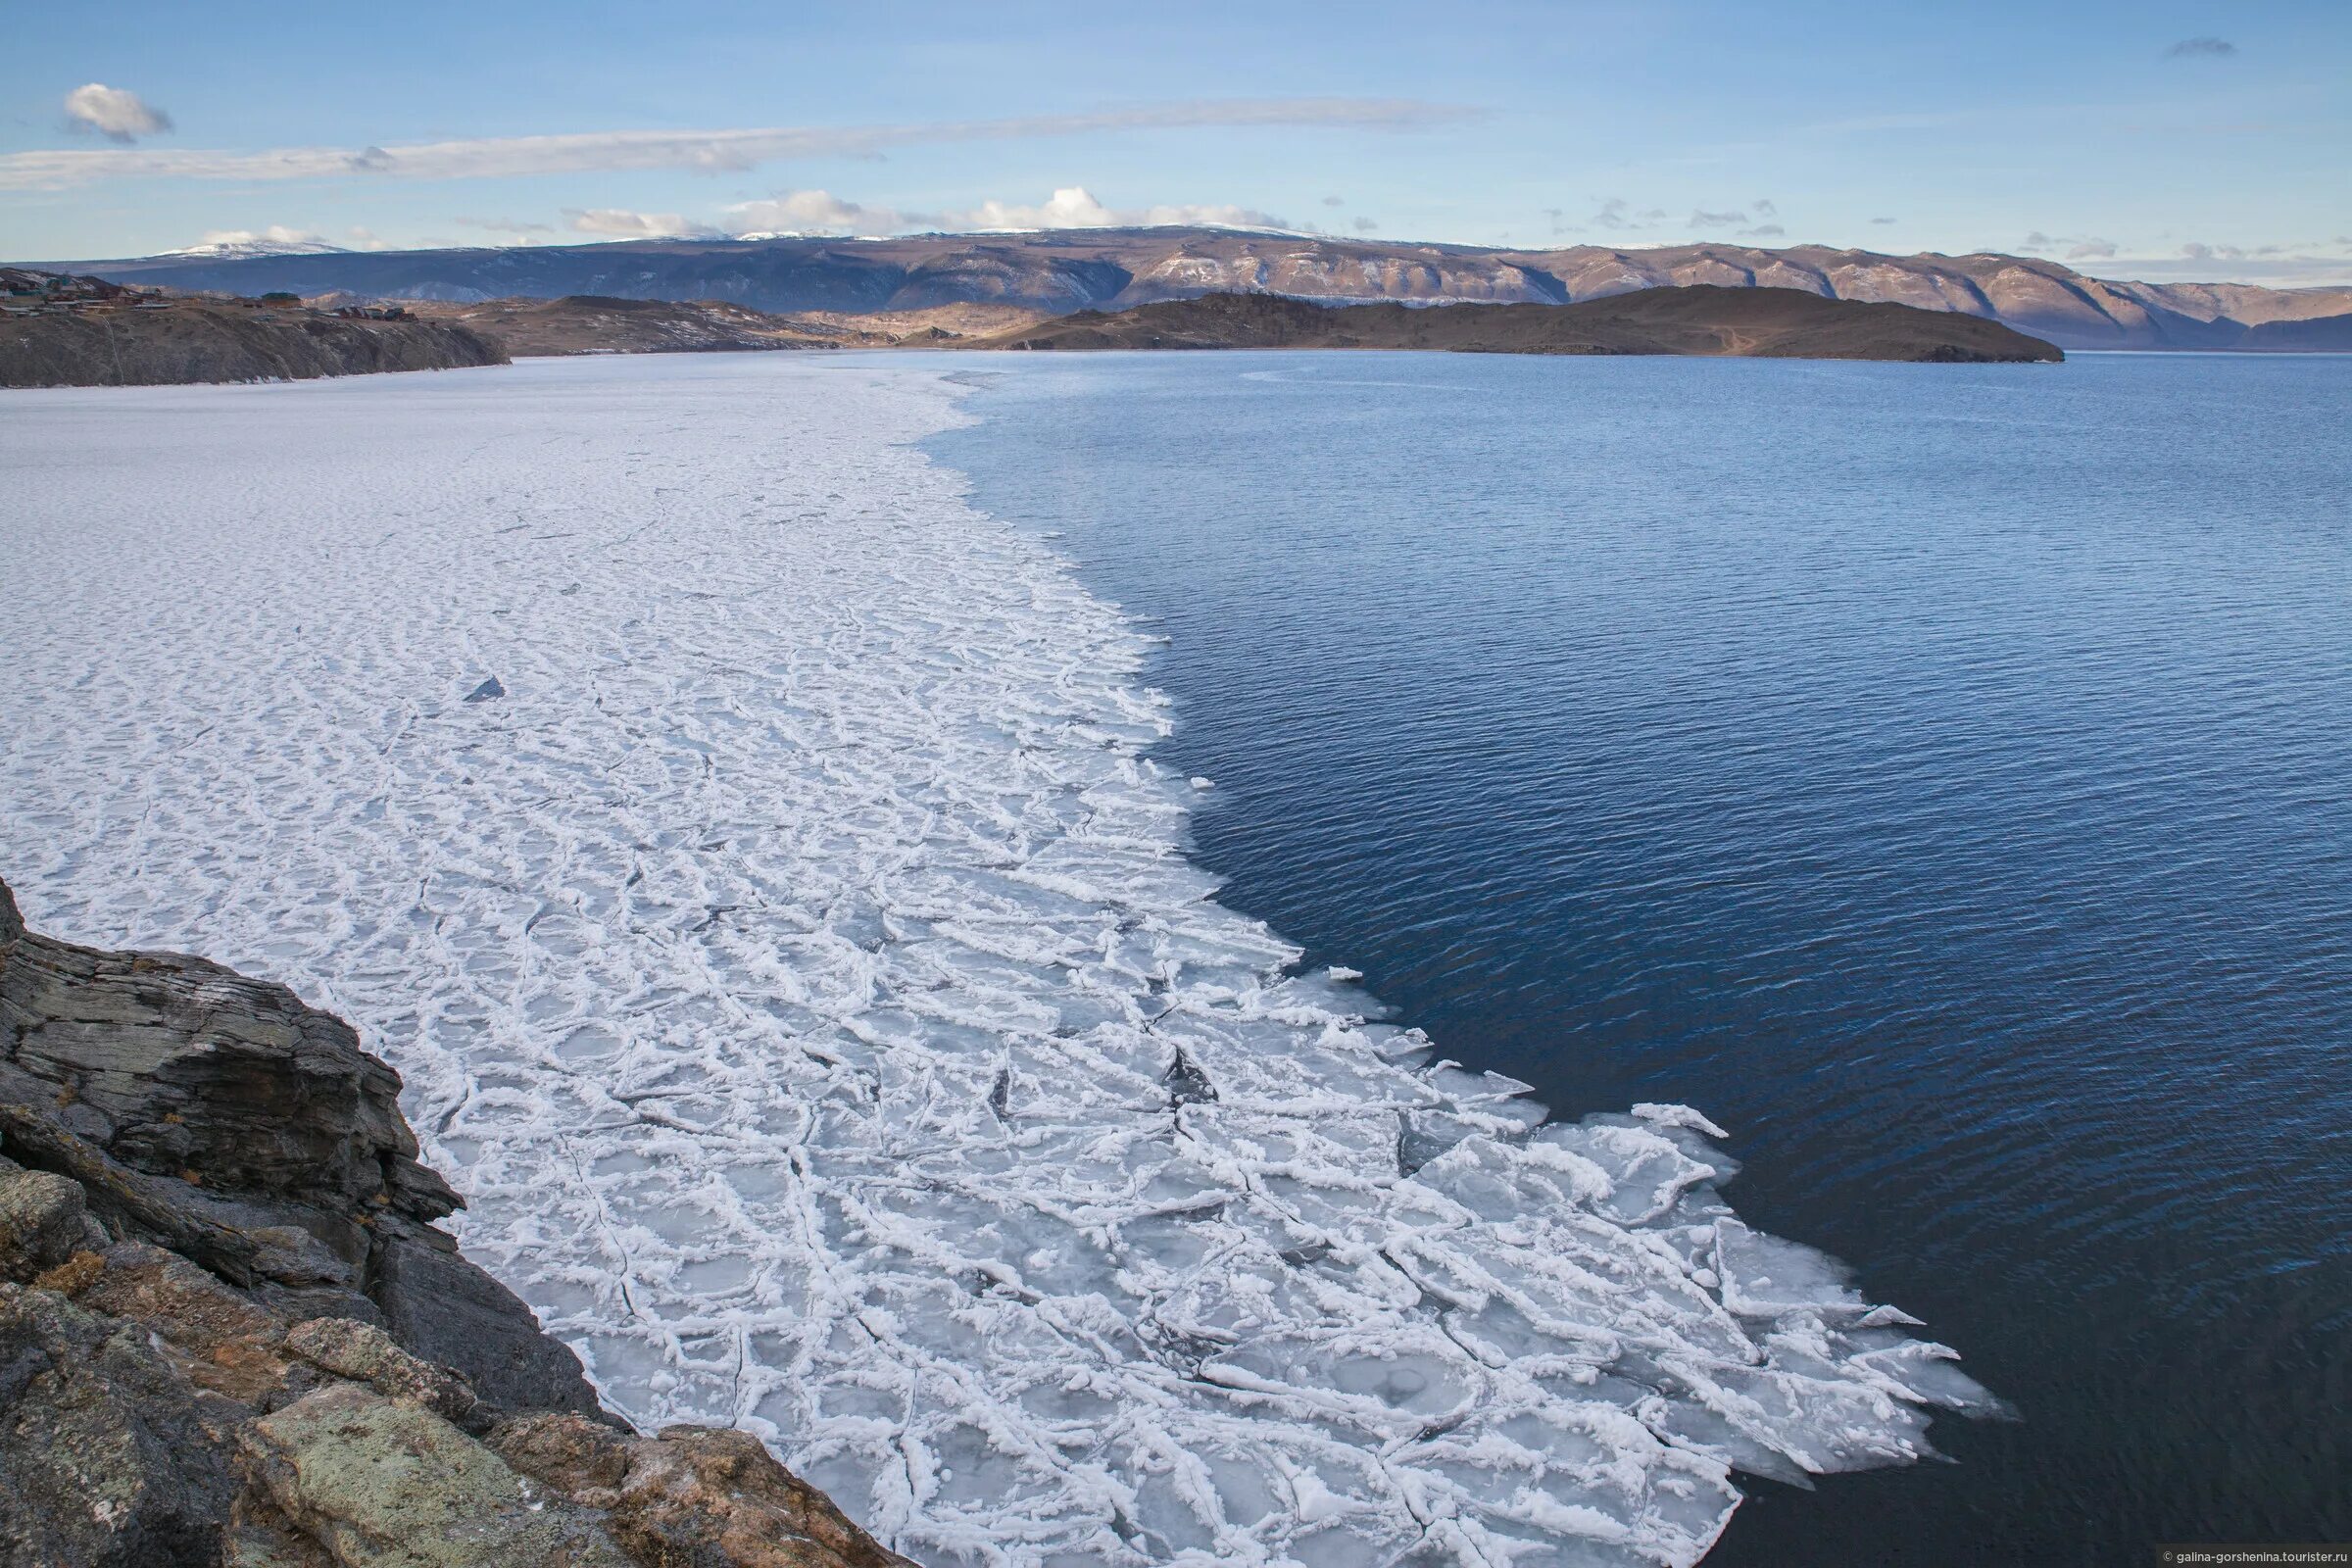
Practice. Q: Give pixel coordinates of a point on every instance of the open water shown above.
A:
(1940, 776)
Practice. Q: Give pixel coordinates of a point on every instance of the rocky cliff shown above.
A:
(1115, 269)
(1702, 320)
(230, 1333)
(193, 340)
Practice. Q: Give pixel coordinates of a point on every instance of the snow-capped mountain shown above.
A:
(241, 247)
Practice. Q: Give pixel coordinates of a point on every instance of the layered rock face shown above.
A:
(230, 1333)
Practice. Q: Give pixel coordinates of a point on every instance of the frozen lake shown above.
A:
(799, 968)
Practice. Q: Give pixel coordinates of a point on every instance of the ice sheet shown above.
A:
(793, 960)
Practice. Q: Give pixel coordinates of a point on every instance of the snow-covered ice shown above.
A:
(752, 856)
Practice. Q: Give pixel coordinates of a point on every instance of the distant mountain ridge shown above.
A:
(1117, 269)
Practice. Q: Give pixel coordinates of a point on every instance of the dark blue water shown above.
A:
(1939, 775)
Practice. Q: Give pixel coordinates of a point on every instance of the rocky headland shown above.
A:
(1701, 319)
(93, 334)
(231, 1333)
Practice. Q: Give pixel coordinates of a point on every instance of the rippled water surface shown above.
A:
(1941, 777)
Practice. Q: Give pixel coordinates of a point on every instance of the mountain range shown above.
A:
(1116, 269)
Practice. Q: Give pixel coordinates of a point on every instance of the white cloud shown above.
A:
(1366, 226)
(702, 150)
(1703, 218)
(2090, 250)
(116, 113)
(619, 222)
(1070, 207)
(816, 212)
(276, 239)
(821, 211)
(504, 226)
(274, 234)
(1076, 207)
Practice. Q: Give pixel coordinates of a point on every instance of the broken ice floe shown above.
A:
(803, 981)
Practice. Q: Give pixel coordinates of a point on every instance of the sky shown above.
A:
(2164, 141)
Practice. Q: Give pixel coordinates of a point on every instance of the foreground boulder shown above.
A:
(223, 1118)
(230, 1333)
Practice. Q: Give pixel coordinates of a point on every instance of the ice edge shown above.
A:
(798, 967)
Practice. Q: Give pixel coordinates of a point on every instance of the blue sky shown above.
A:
(2157, 140)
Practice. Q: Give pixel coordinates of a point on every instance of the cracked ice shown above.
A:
(752, 857)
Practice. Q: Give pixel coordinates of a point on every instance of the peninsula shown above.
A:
(1700, 319)
(68, 330)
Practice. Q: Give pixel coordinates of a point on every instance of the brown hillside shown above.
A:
(1701, 319)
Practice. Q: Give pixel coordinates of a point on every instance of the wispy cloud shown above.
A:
(1759, 226)
(2077, 247)
(1618, 212)
(619, 223)
(2201, 49)
(116, 113)
(2281, 266)
(504, 226)
(2195, 251)
(704, 150)
(1366, 226)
